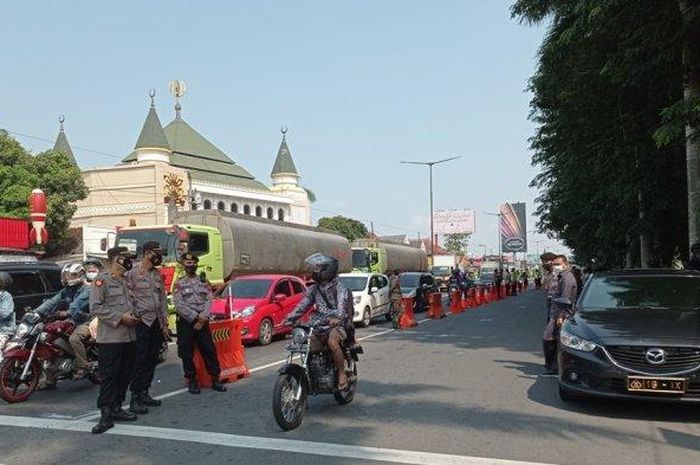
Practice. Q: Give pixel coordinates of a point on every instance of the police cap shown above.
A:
(119, 250)
(189, 257)
(150, 245)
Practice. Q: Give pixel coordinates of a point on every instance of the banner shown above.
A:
(454, 222)
(513, 227)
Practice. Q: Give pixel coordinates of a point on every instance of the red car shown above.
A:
(263, 301)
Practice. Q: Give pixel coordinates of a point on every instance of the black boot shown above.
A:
(105, 421)
(550, 357)
(119, 414)
(193, 387)
(137, 406)
(149, 401)
(217, 385)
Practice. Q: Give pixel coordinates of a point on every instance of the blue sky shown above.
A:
(361, 85)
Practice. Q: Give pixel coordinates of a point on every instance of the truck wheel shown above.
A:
(366, 317)
(265, 332)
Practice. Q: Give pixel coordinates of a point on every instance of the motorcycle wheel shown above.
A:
(346, 396)
(287, 410)
(11, 389)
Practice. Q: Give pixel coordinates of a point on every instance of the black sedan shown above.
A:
(635, 335)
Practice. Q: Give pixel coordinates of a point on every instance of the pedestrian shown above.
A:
(514, 280)
(192, 296)
(567, 288)
(111, 303)
(537, 275)
(7, 309)
(506, 280)
(498, 281)
(150, 306)
(694, 261)
(526, 278)
(395, 296)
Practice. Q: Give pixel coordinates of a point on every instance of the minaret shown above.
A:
(284, 172)
(62, 144)
(152, 144)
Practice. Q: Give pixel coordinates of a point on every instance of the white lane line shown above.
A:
(95, 414)
(264, 443)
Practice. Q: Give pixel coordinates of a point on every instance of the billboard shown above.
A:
(513, 227)
(454, 222)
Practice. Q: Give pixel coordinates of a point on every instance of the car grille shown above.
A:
(634, 358)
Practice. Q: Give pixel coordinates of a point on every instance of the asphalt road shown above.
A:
(461, 390)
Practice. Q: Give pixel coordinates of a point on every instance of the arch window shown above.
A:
(280, 214)
(234, 207)
(270, 213)
(221, 206)
(258, 211)
(207, 204)
(246, 209)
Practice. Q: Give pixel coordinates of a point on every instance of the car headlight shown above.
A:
(299, 336)
(575, 342)
(248, 311)
(22, 330)
(357, 299)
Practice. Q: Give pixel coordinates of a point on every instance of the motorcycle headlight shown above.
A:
(22, 330)
(575, 342)
(298, 336)
(248, 311)
(357, 299)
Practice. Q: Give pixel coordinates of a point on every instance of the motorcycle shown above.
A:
(36, 348)
(313, 373)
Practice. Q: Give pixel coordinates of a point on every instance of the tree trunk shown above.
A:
(643, 236)
(691, 92)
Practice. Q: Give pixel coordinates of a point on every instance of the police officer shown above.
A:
(111, 303)
(150, 306)
(567, 288)
(192, 296)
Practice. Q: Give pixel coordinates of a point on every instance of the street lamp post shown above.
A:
(430, 164)
(498, 228)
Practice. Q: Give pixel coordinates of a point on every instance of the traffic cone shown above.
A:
(455, 301)
(435, 306)
(407, 320)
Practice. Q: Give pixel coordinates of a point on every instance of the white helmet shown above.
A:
(73, 274)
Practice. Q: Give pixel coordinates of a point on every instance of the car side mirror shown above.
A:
(373, 290)
(279, 298)
(564, 302)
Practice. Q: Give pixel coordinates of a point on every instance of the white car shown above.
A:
(370, 292)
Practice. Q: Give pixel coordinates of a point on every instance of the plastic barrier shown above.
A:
(435, 306)
(407, 320)
(456, 301)
(478, 297)
(469, 302)
(229, 351)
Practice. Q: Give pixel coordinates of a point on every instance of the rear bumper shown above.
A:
(592, 374)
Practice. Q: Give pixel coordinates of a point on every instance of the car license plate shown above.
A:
(659, 385)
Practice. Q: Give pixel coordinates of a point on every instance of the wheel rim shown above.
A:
(291, 407)
(366, 317)
(265, 331)
(10, 382)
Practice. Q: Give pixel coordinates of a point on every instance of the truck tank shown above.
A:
(401, 256)
(255, 245)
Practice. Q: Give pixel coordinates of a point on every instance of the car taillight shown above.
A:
(167, 273)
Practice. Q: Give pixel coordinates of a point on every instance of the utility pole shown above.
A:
(498, 229)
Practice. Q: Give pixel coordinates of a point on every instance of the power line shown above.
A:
(14, 133)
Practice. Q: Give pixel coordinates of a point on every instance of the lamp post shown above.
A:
(498, 228)
(537, 245)
(430, 164)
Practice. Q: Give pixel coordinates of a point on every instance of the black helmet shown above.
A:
(322, 267)
(5, 280)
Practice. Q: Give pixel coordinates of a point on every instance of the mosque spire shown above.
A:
(61, 144)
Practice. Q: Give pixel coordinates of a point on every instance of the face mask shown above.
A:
(91, 275)
(125, 263)
(192, 269)
(558, 268)
(156, 259)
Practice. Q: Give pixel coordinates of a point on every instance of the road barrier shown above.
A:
(435, 306)
(229, 351)
(478, 297)
(456, 301)
(407, 320)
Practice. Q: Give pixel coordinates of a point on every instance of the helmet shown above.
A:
(93, 262)
(322, 267)
(73, 274)
(5, 280)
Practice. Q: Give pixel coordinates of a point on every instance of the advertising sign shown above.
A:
(454, 222)
(513, 227)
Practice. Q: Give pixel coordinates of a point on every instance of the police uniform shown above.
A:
(150, 306)
(192, 297)
(109, 300)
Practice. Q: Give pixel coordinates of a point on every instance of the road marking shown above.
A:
(265, 443)
(95, 414)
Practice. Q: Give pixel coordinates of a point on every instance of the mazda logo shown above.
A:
(656, 356)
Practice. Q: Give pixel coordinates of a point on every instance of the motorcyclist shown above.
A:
(75, 295)
(7, 308)
(333, 311)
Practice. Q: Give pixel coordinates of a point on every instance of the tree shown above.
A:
(457, 243)
(52, 172)
(350, 228)
(606, 71)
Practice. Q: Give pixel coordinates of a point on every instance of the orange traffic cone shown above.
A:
(435, 308)
(407, 319)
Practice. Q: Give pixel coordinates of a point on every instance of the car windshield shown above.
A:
(247, 288)
(354, 283)
(409, 280)
(442, 270)
(135, 238)
(487, 276)
(642, 292)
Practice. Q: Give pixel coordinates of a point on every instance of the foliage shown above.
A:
(350, 228)
(52, 172)
(457, 243)
(606, 72)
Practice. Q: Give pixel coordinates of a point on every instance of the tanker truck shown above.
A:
(373, 256)
(232, 244)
